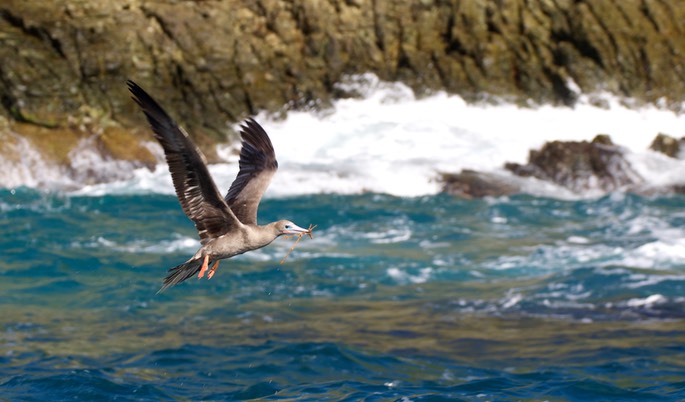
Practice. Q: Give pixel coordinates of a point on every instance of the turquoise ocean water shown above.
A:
(410, 299)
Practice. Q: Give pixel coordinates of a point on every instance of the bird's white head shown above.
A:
(288, 228)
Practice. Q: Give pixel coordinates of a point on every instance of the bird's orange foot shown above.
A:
(205, 262)
(210, 274)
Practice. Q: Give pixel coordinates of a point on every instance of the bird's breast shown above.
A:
(232, 244)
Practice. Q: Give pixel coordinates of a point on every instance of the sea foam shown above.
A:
(389, 141)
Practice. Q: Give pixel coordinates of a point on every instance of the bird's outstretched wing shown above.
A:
(257, 166)
(196, 191)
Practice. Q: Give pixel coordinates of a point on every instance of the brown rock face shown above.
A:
(214, 62)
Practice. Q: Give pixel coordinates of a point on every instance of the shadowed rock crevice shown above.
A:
(36, 32)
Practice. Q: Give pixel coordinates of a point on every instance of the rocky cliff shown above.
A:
(65, 63)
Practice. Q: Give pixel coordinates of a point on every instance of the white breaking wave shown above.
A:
(649, 301)
(25, 167)
(391, 142)
(402, 276)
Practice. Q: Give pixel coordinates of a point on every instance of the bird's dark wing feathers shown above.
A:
(257, 166)
(196, 191)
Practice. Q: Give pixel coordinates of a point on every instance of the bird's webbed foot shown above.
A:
(212, 270)
(203, 269)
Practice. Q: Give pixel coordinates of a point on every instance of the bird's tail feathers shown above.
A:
(180, 273)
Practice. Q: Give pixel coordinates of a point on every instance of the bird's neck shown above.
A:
(265, 234)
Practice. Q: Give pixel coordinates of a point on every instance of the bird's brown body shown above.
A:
(227, 225)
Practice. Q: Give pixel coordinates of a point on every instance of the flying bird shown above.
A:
(227, 225)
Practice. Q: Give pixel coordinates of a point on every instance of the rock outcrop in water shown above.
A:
(578, 166)
(474, 184)
(667, 145)
(65, 62)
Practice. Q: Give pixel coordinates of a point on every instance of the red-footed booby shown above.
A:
(227, 225)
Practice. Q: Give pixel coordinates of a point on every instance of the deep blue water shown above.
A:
(429, 298)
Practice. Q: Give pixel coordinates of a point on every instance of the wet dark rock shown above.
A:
(602, 139)
(474, 184)
(576, 165)
(667, 145)
(580, 166)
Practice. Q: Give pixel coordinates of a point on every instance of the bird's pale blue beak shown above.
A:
(294, 229)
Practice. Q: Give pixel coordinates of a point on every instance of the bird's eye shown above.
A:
(287, 226)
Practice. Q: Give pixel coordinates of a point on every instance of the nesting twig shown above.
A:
(299, 237)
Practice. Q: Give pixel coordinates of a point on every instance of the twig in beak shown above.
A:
(299, 237)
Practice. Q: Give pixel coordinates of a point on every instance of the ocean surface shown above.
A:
(403, 294)
(395, 298)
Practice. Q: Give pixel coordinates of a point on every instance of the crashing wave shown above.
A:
(387, 141)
